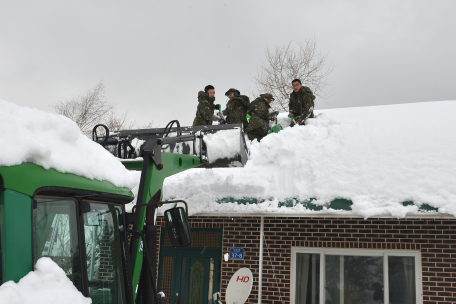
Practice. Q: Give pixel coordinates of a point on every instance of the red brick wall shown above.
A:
(435, 238)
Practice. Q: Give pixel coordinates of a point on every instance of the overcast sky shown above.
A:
(154, 56)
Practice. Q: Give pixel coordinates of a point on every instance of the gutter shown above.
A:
(260, 270)
(424, 215)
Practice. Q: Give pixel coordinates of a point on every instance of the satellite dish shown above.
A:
(239, 287)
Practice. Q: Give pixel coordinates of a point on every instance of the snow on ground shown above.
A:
(48, 284)
(54, 141)
(377, 157)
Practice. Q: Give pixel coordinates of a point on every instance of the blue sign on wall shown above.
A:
(237, 253)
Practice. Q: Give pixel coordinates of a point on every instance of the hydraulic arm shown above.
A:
(159, 153)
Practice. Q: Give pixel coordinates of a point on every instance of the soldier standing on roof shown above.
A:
(301, 103)
(259, 122)
(205, 110)
(236, 108)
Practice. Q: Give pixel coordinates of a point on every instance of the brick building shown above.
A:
(330, 259)
(357, 207)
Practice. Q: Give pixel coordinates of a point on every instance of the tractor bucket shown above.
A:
(218, 146)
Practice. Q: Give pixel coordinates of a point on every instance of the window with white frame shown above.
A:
(361, 276)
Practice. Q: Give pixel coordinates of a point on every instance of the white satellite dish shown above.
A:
(239, 287)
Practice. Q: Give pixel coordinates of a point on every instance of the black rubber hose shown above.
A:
(95, 135)
(168, 128)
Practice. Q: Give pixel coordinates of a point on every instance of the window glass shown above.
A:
(353, 279)
(401, 278)
(104, 242)
(55, 235)
(308, 278)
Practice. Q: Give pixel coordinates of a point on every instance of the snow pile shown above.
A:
(223, 144)
(54, 141)
(377, 157)
(48, 284)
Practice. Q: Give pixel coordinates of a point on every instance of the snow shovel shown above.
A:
(276, 128)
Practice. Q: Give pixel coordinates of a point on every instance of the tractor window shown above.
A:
(105, 250)
(55, 235)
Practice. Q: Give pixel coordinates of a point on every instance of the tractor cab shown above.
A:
(70, 230)
(81, 229)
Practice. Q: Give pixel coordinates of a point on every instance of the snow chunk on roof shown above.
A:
(47, 284)
(223, 144)
(54, 141)
(377, 157)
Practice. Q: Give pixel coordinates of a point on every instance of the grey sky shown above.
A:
(154, 56)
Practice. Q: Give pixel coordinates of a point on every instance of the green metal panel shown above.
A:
(27, 178)
(16, 229)
(341, 204)
(422, 208)
(336, 204)
(172, 164)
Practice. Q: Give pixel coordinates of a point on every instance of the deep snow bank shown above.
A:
(48, 284)
(54, 141)
(376, 157)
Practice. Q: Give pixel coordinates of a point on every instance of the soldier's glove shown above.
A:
(222, 121)
(275, 113)
(218, 107)
(291, 116)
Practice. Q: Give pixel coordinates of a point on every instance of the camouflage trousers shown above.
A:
(257, 133)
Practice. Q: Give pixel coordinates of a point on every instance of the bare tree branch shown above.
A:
(287, 62)
(92, 108)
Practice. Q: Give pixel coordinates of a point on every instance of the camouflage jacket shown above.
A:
(260, 116)
(302, 103)
(236, 110)
(205, 110)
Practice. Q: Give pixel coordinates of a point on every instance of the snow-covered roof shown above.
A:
(54, 141)
(376, 157)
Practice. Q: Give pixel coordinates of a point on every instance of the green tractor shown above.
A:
(82, 225)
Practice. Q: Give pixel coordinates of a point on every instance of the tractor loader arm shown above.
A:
(159, 153)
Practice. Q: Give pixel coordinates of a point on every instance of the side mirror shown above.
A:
(178, 227)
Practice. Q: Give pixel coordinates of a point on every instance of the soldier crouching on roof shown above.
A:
(205, 110)
(236, 108)
(301, 103)
(259, 122)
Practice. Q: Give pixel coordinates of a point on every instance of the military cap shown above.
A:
(268, 96)
(232, 90)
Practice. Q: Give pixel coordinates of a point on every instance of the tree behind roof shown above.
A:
(287, 62)
(93, 108)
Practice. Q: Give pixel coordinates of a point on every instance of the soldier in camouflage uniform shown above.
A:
(236, 108)
(301, 103)
(205, 110)
(259, 122)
